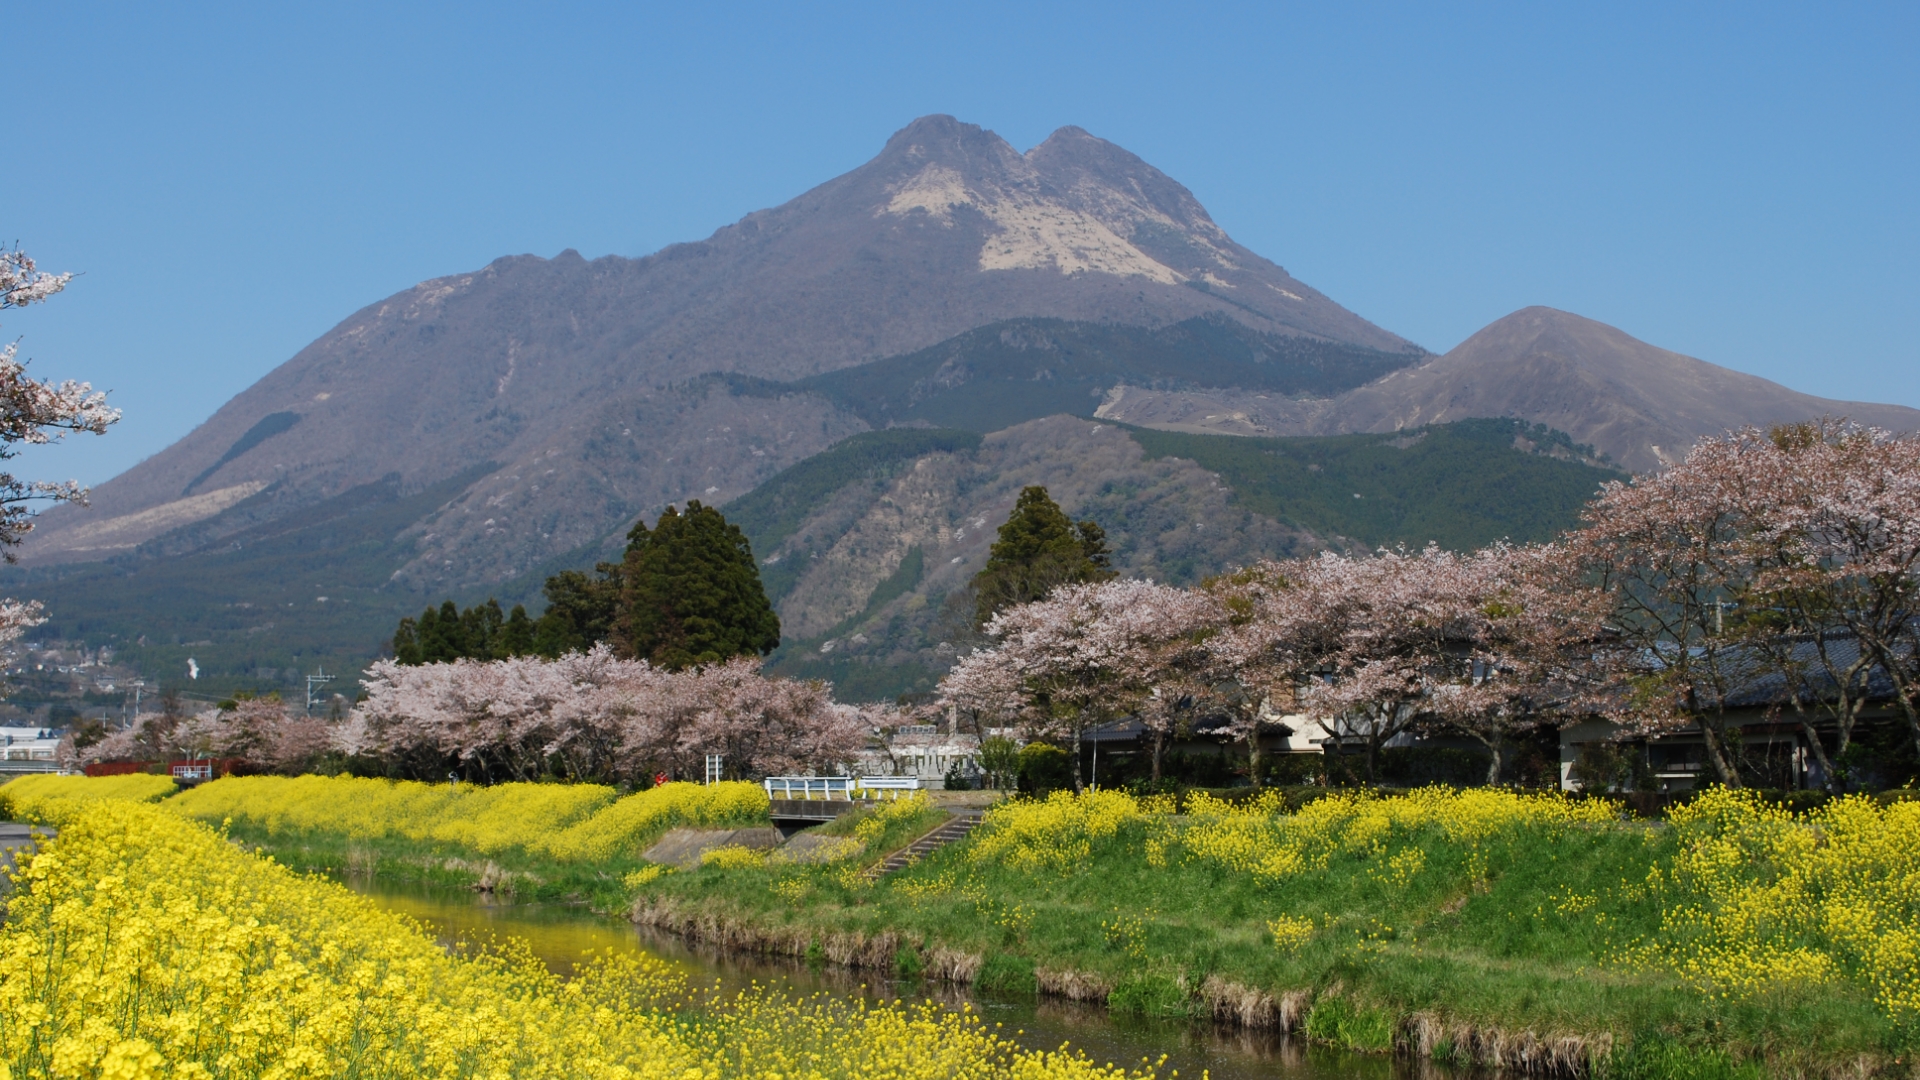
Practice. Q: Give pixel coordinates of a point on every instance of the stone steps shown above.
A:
(963, 822)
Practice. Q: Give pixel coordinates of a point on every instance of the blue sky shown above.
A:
(1737, 182)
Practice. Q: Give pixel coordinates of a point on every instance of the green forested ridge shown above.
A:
(1461, 485)
(248, 608)
(1010, 372)
(904, 579)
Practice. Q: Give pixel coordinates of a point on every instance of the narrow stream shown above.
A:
(559, 935)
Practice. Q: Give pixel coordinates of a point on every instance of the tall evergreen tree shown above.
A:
(1039, 548)
(516, 634)
(690, 592)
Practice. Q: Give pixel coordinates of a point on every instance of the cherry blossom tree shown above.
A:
(1395, 629)
(35, 412)
(1075, 659)
(1531, 651)
(1838, 546)
(1275, 624)
(763, 726)
(518, 719)
(1675, 551)
(993, 692)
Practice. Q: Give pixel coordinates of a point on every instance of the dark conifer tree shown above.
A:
(580, 611)
(406, 642)
(690, 592)
(516, 635)
(687, 592)
(1039, 548)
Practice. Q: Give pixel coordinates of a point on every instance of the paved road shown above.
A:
(15, 835)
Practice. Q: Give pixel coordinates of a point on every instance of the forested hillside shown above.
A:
(1458, 485)
(1010, 372)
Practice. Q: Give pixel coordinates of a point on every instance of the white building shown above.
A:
(923, 751)
(27, 750)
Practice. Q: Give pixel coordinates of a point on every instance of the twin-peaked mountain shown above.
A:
(470, 434)
(573, 376)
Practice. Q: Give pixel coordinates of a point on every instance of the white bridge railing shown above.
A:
(842, 788)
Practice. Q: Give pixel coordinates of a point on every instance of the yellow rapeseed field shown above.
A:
(567, 821)
(623, 827)
(46, 798)
(1056, 832)
(1750, 898)
(1255, 838)
(140, 945)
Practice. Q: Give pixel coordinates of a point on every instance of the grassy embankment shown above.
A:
(1469, 925)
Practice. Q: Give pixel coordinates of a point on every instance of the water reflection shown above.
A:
(559, 935)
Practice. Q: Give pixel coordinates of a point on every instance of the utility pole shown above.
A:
(317, 679)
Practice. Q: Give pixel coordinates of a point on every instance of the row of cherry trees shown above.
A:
(1787, 558)
(262, 731)
(592, 716)
(584, 716)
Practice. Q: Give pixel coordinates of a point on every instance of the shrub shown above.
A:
(1005, 973)
(1150, 995)
(1043, 768)
(907, 963)
(1000, 757)
(1339, 1022)
(957, 778)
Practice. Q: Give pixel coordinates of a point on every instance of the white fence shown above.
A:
(842, 788)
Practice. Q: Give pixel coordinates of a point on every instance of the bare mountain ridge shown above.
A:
(1642, 405)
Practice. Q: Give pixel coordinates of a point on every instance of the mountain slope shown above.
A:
(1641, 405)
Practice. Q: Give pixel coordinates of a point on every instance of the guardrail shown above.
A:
(840, 788)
